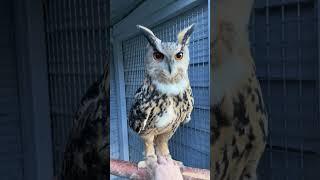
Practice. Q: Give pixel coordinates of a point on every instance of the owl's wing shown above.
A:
(190, 102)
(140, 109)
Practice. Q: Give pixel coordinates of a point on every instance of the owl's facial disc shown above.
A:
(167, 62)
(159, 57)
(171, 62)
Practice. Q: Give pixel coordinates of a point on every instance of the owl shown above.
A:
(86, 155)
(164, 101)
(239, 126)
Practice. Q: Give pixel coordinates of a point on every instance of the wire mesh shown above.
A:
(114, 122)
(115, 144)
(191, 143)
(76, 35)
(284, 38)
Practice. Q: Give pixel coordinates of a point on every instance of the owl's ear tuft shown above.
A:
(145, 30)
(152, 39)
(185, 35)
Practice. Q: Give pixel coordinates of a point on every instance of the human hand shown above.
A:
(165, 168)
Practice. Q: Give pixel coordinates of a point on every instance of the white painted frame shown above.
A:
(146, 14)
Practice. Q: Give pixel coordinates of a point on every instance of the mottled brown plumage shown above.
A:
(239, 126)
(164, 100)
(150, 107)
(86, 154)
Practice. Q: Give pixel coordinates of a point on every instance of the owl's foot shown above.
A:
(175, 162)
(178, 163)
(149, 160)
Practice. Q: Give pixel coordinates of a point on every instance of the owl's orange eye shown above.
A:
(158, 56)
(179, 56)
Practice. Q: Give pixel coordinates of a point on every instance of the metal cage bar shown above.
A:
(285, 49)
(76, 34)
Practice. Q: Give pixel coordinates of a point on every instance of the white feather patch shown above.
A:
(143, 125)
(226, 77)
(166, 118)
(172, 89)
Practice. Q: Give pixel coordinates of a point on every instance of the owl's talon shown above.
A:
(178, 163)
(175, 162)
(167, 157)
(149, 161)
(142, 165)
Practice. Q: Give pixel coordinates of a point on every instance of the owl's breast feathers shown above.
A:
(87, 149)
(153, 111)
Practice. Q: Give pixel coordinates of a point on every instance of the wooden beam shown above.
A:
(127, 169)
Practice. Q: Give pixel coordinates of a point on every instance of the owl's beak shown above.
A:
(169, 64)
(169, 68)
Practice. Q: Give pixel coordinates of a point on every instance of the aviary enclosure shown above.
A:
(285, 44)
(191, 143)
(284, 36)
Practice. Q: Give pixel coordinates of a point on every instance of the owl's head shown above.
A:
(167, 62)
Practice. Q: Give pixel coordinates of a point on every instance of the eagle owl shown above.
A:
(164, 100)
(86, 155)
(239, 126)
